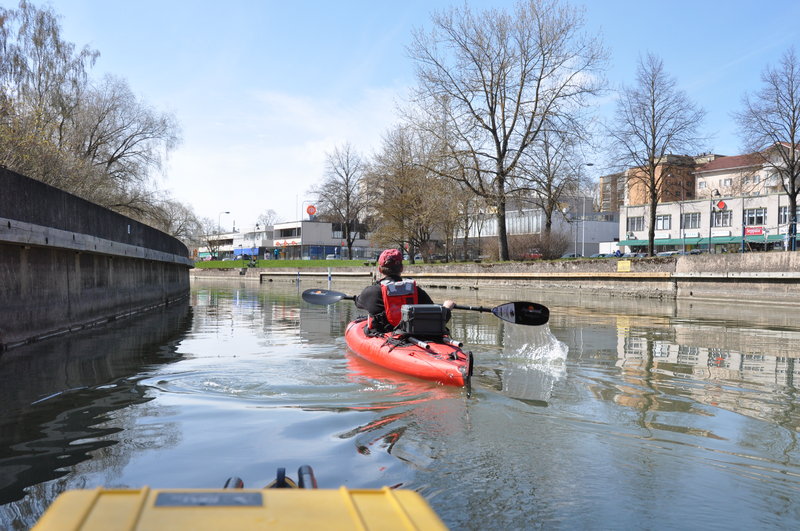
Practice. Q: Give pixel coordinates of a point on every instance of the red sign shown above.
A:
(753, 231)
(311, 210)
(721, 205)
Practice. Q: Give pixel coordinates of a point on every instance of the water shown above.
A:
(619, 414)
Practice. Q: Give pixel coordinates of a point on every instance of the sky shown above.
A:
(262, 90)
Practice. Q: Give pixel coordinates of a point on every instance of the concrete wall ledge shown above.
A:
(661, 275)
(361, 274)
(22, 233)
(752, 275)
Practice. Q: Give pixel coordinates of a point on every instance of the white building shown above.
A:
(740, 205)
(316, 240)
(586, 228)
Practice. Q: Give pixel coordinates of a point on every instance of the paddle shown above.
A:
(324, 296)
(519, 312)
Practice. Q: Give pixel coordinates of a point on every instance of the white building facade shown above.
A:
(741, 206)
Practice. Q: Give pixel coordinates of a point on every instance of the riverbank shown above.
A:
(765, 277)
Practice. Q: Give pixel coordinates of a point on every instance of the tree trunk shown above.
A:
(793, 222)
(501, 230)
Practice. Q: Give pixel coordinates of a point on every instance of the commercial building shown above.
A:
(315, 240)
(721, 204)
(295, 240)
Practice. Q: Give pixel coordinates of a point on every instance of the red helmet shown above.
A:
(390, 257)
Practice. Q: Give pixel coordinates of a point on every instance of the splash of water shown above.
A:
(536, 345)
(534, 361)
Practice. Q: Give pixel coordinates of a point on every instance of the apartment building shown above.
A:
(727, 204)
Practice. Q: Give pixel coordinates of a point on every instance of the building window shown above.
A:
(721, 218)
(663, 222)
(755, 216)
(783, 215)
(701, 185)
(635, 224)
(294, 232)
(691, 220)
(726, 182)
(756, 179)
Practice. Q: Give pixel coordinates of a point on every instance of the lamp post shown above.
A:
(744, 224)
(714, 193)
(254, 255)
(583, 220)
(219, 222)
(583, 226)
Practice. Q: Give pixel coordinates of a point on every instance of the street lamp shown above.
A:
(583, 219)
(714, 193)
(744, 224)
(254, 255)
(219, 222)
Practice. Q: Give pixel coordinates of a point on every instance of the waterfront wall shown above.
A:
(66, 263)
(755, 277)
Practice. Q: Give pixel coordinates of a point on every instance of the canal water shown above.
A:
(619, 414)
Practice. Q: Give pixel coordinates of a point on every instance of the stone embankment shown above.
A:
(757, 277)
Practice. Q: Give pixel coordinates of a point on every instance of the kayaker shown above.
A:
(391, 292)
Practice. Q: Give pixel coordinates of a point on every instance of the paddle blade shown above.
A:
(323, 296)
(524, 313)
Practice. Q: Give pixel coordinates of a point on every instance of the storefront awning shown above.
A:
(716, 240)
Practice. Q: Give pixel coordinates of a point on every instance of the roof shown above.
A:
(735, 161)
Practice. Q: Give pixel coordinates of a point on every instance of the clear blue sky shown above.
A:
(263, 89)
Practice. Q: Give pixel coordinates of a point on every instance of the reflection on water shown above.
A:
(58, 397)
(619, 414)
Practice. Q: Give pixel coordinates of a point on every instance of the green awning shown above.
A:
(664, 241)
(716, 240)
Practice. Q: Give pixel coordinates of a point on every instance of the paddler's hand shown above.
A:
(449, 304)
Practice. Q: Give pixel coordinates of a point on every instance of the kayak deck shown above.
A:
(440, 362)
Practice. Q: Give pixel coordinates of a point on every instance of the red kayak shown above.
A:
(440, 360)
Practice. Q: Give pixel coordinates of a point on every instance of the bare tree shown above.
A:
(96, 141)
(653, 119)
(770, 126)
(268, 218)
(489, 81)
(209, 235)
(176, 219)
(408, 197)
(342, 196)
(123, 137)
(555, 169)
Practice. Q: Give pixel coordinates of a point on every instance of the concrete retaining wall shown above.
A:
(760, 277)
(66, 264)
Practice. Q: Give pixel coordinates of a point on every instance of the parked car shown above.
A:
(667, 253)
(330, 257)
(634, 255)
(571, 255)
(533, 254)
(599, 255)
